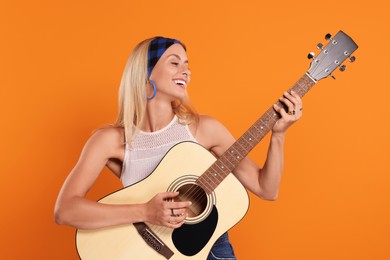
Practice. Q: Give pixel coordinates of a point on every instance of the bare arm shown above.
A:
(73, 209)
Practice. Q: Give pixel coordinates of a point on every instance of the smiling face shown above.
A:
(171, 73)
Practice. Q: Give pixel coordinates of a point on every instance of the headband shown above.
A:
(156, 49)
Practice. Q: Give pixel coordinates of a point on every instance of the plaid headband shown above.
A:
(156, 49)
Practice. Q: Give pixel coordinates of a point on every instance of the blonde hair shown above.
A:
(132, 95)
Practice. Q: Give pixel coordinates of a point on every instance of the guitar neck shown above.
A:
(230, 159)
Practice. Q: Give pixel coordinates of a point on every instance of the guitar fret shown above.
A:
(210, 180)
(199, 182)
(231, 151)
(228, 160)
(270, 116)
(219, 177)
(265, 120)
(254, 135)
(227, 165)
(221, 166)
(273, 117)
(238, 152)
(248, 144)
(215, 174)
(257, 129)
(232, 158)
(249, 138)
(264, 129)
(234, 153)
(204, 184)
(252, 140)
(243, 149)
(303, 85)
(301, 88)
(221, 171)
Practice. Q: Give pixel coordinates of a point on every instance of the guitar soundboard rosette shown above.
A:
(202, 203)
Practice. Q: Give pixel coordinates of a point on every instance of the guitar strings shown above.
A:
(197, 190)
(196, 193)
(208, 174)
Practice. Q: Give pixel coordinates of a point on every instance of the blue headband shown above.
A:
(156, 49)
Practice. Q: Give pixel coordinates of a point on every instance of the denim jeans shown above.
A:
(222, 249)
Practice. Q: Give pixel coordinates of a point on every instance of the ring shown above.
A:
(173, 214)
(301, 109)
(291, 112)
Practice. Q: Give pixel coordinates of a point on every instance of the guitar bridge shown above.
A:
(152, 240)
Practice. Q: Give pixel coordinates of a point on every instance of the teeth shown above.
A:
(180, 82)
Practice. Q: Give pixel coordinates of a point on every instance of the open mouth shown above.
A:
(180, 83)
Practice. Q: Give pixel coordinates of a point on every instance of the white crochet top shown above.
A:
(148, 148)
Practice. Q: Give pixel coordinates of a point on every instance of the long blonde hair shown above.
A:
(132, 95)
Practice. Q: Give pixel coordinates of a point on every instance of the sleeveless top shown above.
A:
(148, 148)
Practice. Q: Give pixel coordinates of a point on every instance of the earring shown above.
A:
(154, 90)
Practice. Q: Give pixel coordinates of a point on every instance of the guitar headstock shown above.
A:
(332, 56)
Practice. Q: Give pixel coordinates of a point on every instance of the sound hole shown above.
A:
(195, 194)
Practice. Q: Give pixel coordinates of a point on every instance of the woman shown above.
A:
(155, 114)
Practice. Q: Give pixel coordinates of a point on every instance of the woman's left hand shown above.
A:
(294, 105)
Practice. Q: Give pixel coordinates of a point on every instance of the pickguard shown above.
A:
(190, 239)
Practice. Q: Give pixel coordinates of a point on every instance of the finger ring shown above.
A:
(291, 112)
(172, 213)
(301, 109)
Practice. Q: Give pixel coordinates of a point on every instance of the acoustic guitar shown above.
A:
(219, 200)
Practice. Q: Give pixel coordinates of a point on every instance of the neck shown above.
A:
(158, 115)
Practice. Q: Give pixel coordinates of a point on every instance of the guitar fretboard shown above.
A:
(230, 159)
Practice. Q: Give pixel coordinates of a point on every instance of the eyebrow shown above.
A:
(177, 56)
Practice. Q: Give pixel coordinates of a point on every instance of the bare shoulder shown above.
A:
(109, 139)
(211, 133)
(109, 133)
(208, 124)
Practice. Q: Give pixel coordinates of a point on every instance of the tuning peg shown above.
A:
(352, 59)
(343, 67)
(319, 46)
(328, 36)
(310, 55)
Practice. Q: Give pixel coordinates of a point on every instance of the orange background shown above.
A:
(60, 67)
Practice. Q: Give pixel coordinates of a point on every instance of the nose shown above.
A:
(186, 72)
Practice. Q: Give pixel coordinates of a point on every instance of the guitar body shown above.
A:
(227, 206)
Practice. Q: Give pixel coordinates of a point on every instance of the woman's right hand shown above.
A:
(163, 210)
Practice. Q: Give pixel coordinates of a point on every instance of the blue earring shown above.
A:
(154, 90)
